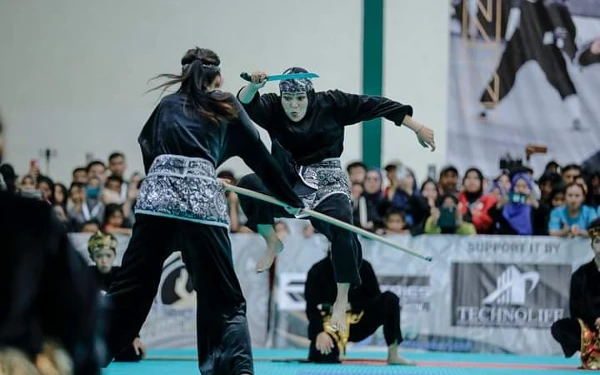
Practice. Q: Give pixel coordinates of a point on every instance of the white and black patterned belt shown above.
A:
(184, 188)
(308, 173)
(182, 166)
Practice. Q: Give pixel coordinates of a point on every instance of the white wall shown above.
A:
(416, 64)
(73, 73)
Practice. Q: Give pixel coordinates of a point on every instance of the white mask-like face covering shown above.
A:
(294, 104)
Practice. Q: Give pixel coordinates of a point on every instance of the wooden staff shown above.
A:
(325, 218)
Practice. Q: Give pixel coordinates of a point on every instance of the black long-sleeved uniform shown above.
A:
(174, 128)
(379, 308)
(175, 131)
(584, 304)
(46, 291)
(320, 134)
(317, 136)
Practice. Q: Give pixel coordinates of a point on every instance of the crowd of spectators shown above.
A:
(560, 201)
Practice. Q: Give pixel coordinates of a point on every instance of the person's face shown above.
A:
(574, 197)
(80, 176)
(521, 187)
(77, 194)
(117, 166)
(472, 182)
(104, 260)
(546, 188)
(449, 181)
(45, 190)
(59, 195)
(395, 223)
(558, 200)
(372, 183)
(113, 185)
(357, 175)
(116, 219)
(294, 105)
(27, 183)
(98, 171)
(569, 176)
(430, 191)
(504, 182)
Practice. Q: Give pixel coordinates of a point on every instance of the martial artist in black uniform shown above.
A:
(189, 134)
(581, 332)
(369, 309)
(307, 133)
(46, 292)
(539, 30)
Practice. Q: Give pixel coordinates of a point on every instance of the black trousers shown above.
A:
(383, 310)
(223, 336)
(516, 54)
(345, 246)
(567, 332)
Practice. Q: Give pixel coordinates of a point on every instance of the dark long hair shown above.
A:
(200, 67)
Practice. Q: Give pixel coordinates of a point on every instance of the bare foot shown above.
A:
(274, 247)
(338, 316)
(397, 360)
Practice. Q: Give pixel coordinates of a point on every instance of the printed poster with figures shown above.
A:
(524, 72)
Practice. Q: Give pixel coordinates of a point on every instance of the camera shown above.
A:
(517, 198)
(34, 194)
(507, 162)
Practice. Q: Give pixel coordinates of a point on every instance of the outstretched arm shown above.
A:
(351, 109)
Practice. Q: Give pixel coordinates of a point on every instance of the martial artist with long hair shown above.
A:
(190, 133)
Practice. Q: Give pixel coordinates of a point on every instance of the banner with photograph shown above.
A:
(524, 72)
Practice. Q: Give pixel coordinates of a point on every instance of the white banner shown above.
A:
(479, 294)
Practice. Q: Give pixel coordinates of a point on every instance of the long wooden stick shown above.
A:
(327, 219)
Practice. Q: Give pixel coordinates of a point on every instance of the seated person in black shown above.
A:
(581, 332)
(102, 248)
(368, 309)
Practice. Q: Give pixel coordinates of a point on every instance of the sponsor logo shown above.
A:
(509, 295)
